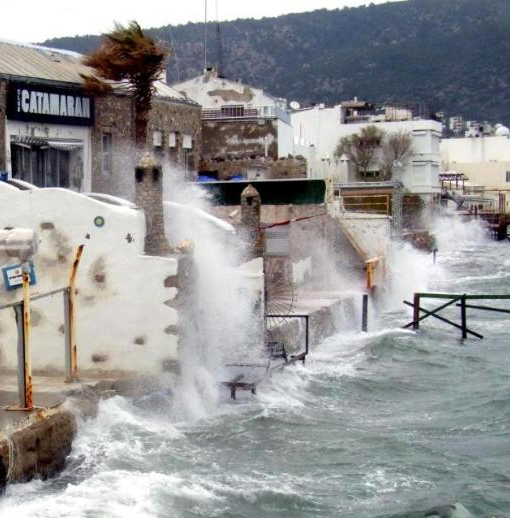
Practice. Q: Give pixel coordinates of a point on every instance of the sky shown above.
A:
(37, 20)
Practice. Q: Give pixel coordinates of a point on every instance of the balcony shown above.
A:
(240, 112)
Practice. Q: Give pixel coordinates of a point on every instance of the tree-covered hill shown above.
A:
(452, 54)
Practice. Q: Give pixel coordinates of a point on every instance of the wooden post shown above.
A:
(364, 313)
(416, 311)
(463, 317)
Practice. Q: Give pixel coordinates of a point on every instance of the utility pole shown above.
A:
(205, 34)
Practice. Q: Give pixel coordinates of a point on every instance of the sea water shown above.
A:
(388, 423)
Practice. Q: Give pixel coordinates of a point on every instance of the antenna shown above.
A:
(205, 34)
(174, 53)
(219, 49)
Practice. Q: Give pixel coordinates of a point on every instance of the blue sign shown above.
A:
(13, 276)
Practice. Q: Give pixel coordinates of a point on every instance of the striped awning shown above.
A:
(62, 144)
(65, 145)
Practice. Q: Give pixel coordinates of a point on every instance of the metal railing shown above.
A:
(460, 300)
(215, 114)
(22, 315)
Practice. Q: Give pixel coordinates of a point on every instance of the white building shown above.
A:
(485, 161)
(318, 130)
(236, 110)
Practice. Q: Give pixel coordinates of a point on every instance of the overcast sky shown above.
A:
(37, 20)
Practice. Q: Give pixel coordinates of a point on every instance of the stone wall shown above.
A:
(239, 139)
(252, 168)
(114, 114)
(3, 103)
(178, 117)
(318, 246)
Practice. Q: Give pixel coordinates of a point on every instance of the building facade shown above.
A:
(245, 131)
(53, 134)
(318, 130)
(484, 161)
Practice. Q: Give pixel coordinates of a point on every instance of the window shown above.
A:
(187, 141)
(157, 138)
(106, 153)
(508, 177)
(46, 166)
(172, 139)
(232, 111)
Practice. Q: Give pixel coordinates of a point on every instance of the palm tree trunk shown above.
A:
(140, 127)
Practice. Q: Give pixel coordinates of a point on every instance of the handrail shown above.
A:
(22, 313)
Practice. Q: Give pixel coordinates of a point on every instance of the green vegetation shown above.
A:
(452, 54)
(372, 149)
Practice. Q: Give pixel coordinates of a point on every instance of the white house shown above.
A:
(317, 131)
(239, 113)
(484, 160)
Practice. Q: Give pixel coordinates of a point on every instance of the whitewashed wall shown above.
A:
(124, 313)
(322, 128)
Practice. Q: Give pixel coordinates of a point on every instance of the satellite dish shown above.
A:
(295, 105)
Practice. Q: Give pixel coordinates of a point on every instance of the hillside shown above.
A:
(451, 54)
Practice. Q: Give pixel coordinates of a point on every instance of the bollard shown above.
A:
(364, 313)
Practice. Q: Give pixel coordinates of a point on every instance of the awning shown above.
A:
(62, 144)
(65, 145)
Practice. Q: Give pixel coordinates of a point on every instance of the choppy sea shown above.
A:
(391, 423)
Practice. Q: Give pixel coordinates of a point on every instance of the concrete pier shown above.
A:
(36, 443)
(323, 310)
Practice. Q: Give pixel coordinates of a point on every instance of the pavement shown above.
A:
(49, 390)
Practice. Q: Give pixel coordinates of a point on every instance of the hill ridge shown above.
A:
(451, 55)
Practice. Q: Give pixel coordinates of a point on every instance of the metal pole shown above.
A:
(307, 339)
(463, 316)
(369, 275)
(18, 310)
(205, 35)
(416, 311)
(364, 313)
(72, 351)
(67, 335)
(28, 403)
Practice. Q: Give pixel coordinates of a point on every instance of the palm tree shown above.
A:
(128, 55)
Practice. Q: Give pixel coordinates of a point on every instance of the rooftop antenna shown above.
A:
(205, 34)
(219, 50)
(174, 53)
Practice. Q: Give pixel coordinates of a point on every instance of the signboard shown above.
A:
(47, 104)
(278, 241)
(13, 276)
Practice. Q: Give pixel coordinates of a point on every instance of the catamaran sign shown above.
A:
(38, 103)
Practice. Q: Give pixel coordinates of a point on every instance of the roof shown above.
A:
(26, 61)
(21, 60)
(211, 91)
